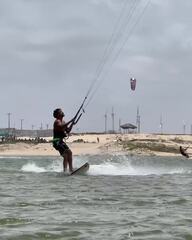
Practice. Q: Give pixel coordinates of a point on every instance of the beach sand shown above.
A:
(135, 144)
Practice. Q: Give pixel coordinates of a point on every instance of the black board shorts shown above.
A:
(61, 146)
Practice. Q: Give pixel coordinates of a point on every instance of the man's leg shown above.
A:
(65, 162)
(70, 160)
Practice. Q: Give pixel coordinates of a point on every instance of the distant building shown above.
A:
(128, 128)
(12, 133)
(7, 134)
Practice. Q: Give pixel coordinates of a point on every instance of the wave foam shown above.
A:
(32, 167)
(123, 170)
(111, 168)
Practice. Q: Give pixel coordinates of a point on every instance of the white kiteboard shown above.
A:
(81, 170)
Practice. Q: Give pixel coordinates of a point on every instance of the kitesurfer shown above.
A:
(183, 151)
(60, 131)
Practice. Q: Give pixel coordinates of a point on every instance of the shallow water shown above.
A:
(121, 197)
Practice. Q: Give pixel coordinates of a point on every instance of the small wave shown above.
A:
(11, 157)
(12, 221)
(32, 167)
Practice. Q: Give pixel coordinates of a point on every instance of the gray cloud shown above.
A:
(49, 53)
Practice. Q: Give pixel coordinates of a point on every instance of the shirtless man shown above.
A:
(60, 131)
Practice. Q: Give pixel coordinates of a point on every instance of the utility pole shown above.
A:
(21, 123)
(9, 120)
(161, 124)
(47, 125)
(113, 118)
(119, 125)
(105, 122)
(138, 121)
(184, 128)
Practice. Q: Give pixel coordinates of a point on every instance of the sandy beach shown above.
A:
(135, 144)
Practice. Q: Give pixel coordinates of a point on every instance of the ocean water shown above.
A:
(120, 197)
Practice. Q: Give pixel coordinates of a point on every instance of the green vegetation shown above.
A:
(79, 140)
(150, 146)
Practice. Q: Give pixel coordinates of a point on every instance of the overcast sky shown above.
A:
(50, 52)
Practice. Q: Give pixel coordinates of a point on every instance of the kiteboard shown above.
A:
(81, 170)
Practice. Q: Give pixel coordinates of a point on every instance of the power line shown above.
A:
(131, 13)
(122, 24)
